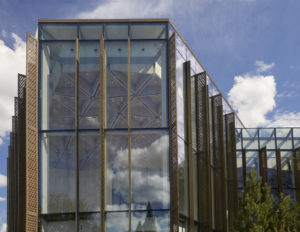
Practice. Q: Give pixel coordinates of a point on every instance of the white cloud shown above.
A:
(12, 62)
(3, 180)
(285, 119)
(263, 67)
(2, 199)
(253, 97)
(3, 228)
(130, 9)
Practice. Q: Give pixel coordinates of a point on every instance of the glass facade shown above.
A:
(133, 152)
(280, 144)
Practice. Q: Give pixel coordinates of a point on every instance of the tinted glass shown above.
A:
(58, 31)
(58, 86)
(148, 76)
(89, 87)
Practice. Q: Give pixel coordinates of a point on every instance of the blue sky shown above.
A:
(249, 47)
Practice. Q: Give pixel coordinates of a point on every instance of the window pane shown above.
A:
(158, 221)
(58, 222)
(89, 173)
(58, 85)
(58, 31)
(116, 84)
(148, 70)
(89, 88)
(117, 222)
(116, 31)
(90, 31)
(89, 222)
(58, 176)
(149, 31)
(183, 181)
(116, 171)
(150, 170)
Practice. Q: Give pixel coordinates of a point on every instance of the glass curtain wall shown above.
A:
(137, 188)
(285, 139)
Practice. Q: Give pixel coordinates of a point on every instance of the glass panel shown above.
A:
(250, 139)
(58, 85)
(60, 31)
(284, 138)
(116, 31)
(150, 170)
(148, 76)
(116, 171)
(252, 161)
(58, 175)
(148, 31)
(287, 172)
(296, 137)
(238, 138)
(90, 31)
(89, 222)
(61, 223)
(89, 172)
(116, 84)
(117, 222)
(150, 221)
(179, 99)
(89, 88)
(240, 176)
(272, 170)
(183, 182)
(267, 138)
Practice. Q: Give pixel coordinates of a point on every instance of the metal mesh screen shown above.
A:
(203, 153)
(263, 167)
(219, 164)
(296, 164)
(173, 133)
(32, 134)
(232, 183)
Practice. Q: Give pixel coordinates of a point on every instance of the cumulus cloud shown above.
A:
(3, 228)
(129, 9)
(285, 119)
(3, 180)
(2, 199)
(263, 67)
(253, 97)
(12, 62)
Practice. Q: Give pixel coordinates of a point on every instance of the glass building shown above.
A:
(124, 130)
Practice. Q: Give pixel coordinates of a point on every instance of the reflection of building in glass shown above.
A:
(124, 130)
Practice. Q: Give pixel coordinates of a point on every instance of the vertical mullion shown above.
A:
(129, 140)
(102, 136)
(76, 136)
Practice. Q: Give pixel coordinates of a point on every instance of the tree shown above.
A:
(260, 212)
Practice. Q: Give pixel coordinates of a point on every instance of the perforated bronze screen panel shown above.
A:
(219, 164)
(173, 134)
(296, 164)
(203, 153)
(232, 183)
(279, 170)
(244, 166)
(263, 165)
(32, 134)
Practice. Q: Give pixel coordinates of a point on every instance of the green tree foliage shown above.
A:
(260, 212)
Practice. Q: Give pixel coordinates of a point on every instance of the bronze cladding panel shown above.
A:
(102, 124)
(244, 165)
(203, 153)
(232, 183)
(279, 171)
(77, 137)
(188, 130)
(173, 159)
(31, 134)
(219, 164)
(263, 165)
(296, 165)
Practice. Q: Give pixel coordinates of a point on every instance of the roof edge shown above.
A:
(145, 20)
